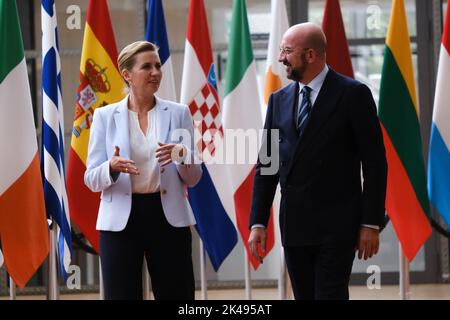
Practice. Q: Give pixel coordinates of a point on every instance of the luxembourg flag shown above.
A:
(199, 92)
(439, 153)
(52, 155)
(156, 33)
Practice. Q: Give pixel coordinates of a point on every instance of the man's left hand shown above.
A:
(368, 242)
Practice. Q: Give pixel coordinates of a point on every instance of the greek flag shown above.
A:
(52, 154)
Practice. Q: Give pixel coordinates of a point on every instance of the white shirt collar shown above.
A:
(316, 83)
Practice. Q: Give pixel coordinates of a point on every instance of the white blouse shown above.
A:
(143, 153)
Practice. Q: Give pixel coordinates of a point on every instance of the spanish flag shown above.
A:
(100, 84)
(23, 224)
(406, 199)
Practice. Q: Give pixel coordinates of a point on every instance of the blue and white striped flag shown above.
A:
(156, 33)
(52, 154)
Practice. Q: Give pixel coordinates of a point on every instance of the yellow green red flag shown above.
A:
(406, 199)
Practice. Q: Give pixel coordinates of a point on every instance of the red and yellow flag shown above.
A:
(100, 84)
(406, 198)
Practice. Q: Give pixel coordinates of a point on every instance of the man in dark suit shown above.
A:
(328, 131)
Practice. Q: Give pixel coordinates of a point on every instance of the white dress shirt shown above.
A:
(315, 85)
(143, 153)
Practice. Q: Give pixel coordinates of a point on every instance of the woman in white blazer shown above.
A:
(141, 158)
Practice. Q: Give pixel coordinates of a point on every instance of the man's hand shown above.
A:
(119, 164)
(368, 242)
(257, 242)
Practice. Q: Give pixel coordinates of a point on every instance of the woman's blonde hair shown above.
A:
(127, 57)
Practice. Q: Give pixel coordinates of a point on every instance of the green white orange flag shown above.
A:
(275, 73)
(100, 84)
(406, 199)
(23, 224)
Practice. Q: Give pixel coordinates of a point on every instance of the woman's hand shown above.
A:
(168, 153)
(119, 164)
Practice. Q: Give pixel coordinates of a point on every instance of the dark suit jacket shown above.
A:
(322, 199)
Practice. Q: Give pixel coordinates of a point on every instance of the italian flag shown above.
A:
(242, 110)
(406, 199)
(23, 226)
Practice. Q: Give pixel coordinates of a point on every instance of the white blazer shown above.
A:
(109, 129)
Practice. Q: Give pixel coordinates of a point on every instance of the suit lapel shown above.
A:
(121, 120)
(322, 109)
(162, 121)
(289, 104)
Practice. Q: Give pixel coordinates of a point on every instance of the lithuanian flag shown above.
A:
(406, 199)
(100, 84)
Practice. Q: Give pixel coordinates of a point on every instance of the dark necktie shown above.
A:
(304, 110)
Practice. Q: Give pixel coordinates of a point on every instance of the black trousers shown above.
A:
(320, 272)
(167, 249)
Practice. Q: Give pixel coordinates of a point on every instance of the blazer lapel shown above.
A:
(121, 120)
(162, 121)
(289, 104)
(322, 109)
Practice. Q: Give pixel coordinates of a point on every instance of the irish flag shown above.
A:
(23, 226)
(241, 111)
(100, 84)
(406, 199)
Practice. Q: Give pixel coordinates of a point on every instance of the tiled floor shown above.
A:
(417, 292)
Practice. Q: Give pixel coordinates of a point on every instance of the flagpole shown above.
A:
(146, 281)
(53, 287)
(12, 289)
(282, 290)
(405, 293)
(100, 280)
(248, 289)
(203, 279)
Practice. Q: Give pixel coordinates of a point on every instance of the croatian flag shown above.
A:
(199, 92)
(156, 33)
(52, 155)
(439, 153)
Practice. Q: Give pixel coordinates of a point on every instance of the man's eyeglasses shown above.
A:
(287, 50)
